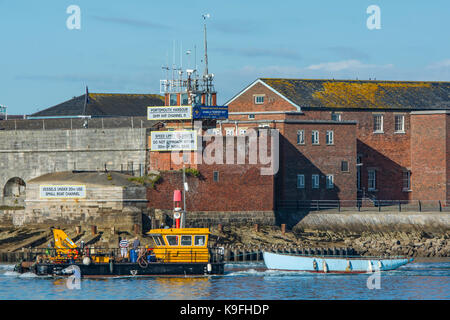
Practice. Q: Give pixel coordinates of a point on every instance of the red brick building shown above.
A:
(401, 133)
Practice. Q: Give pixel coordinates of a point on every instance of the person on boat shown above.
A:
(136, 243)
(123, 248)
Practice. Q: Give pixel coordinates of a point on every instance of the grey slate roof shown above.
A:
(104, 105)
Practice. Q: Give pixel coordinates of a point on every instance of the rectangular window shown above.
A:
(399, 123)
(199, 240)
(330, 181)
(315, 137)
(315, 181)
(242, 131)
(229, 131)
(406, 180)
(330, 137)
(216, 176)
(186, 240)
(259, 99)
(344, 166)
(300, 181)
(173, 99)
(184, 99)
(377, 123)
(335, 116)
(372, 181)
(172, 240)
(251, 116)
(301, 137)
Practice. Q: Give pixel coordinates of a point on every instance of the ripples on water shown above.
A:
(424, 280)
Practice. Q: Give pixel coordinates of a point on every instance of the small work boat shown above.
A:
(331, 264)
(177, 252)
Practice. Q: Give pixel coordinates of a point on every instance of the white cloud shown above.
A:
(440, 64)
(345, 65)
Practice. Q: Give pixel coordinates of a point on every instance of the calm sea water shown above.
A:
(419, 280)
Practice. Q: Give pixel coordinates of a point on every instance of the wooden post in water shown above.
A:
(283, 229)
(256, 227)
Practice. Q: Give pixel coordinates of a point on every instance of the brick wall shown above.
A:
(240, 187)
(388, 153)
(319, 159)
(429, 143)
(272, 101)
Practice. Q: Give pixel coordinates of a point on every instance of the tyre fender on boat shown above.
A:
(325, 266)
(314, 264)
(370, 269)
(380, 265)
(349, 266)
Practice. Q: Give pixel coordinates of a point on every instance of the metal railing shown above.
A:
(186, 255)
(366, 205)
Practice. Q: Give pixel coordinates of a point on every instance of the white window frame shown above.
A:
(300, 181)
(251, 116)
(381, 129)
(315, 181)
(229, 131)
(242, 131)
(259, 96)
(407, 180)
(301, 136)
(329, 178)
(338, 115)
(395, 123)
(330, 134)
(315, 137)
(371, 186)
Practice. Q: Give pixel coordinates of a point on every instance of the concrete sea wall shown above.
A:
(358, 222)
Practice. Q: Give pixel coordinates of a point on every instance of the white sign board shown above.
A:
(174, 140)
(60, 191)
(169, 113)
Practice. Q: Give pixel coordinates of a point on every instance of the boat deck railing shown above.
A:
(33, 254)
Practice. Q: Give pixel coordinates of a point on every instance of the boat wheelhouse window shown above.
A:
(158, 240)
(186, 240)
(172, 240)
(199, 240)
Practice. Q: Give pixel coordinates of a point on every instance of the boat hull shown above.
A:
(322, 264)
(126, 269)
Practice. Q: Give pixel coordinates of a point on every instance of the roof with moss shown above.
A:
(363, 94)
(105, 105)
(112, 179)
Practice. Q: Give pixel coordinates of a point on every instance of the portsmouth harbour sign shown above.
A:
(169, 113)
(210, 112)
(62, 191)
(174, 140)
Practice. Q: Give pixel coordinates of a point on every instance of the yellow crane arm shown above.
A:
(62, 242)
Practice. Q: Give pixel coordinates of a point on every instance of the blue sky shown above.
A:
(122, 45)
